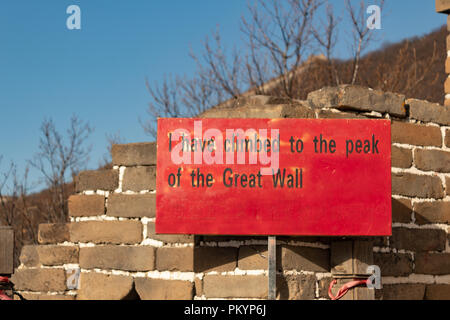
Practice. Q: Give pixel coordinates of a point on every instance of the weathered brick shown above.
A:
(401, 157)
(432, 160)
(97, 180)
(127, 258)
(139, 178)
(43, 280)
(218, 259)
(261, 100)
(324, 284)
(330, 114)
(175, 259)
(217, 286)
(447, 137)
(447, 85)
(401, 210)
(168, 238)
(293, 110)
(428, 112)
(416, 134)
(432, 212)
(418, 239)
(52, 233)
(413, 185)
(394, 264)
(447, 185)
(29, 256)
(442, 6)
(159, 289)
(432, 263)
(404, 291)
(132, 205)
(116, 232)
(358, 98)
(253, 258)
(198, 287)
(437, 292)
(83, 205)
(134, 154)
(40, 296)
(305, 258)
(99, 286)
(52, 255)
(296, 287)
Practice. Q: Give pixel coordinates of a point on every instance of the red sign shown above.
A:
(274, 177)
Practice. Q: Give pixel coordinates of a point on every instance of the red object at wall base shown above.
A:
(333, 177)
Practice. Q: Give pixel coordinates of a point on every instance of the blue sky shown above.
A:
(99, 72)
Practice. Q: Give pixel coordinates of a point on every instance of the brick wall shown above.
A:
(111, 235)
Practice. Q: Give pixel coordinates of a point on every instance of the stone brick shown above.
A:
(358, 98)
(413, 185)
(401, 157)
(175, 259)
(132, 205)
(52, 233)
(296, 287)
(43, 280)
(261, 100)
(134, 154)
(127, 258)
(29, 256)
(447, 86)
(294, 110)
(198, 287)
(57, 255)
(116, 232)
(139, 178)
(404, 291)
(447, 185)
(97, 180)
(217, 286)
(83, 205)
(447, 137)
(416, 134)
(432, 212)
(159, 289)
(218, 259)
(432, 160)
(253, 258)
(437, 292)
(330, 114)
(99, 286)
(401, 210)
(428, 112)
(432, 263)
(168, 238)
(393, 264)
(305, 258)
(418, 239)
(443, 6)
(40, 296)
(323, 285)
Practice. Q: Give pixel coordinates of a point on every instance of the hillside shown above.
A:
(414, 67)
